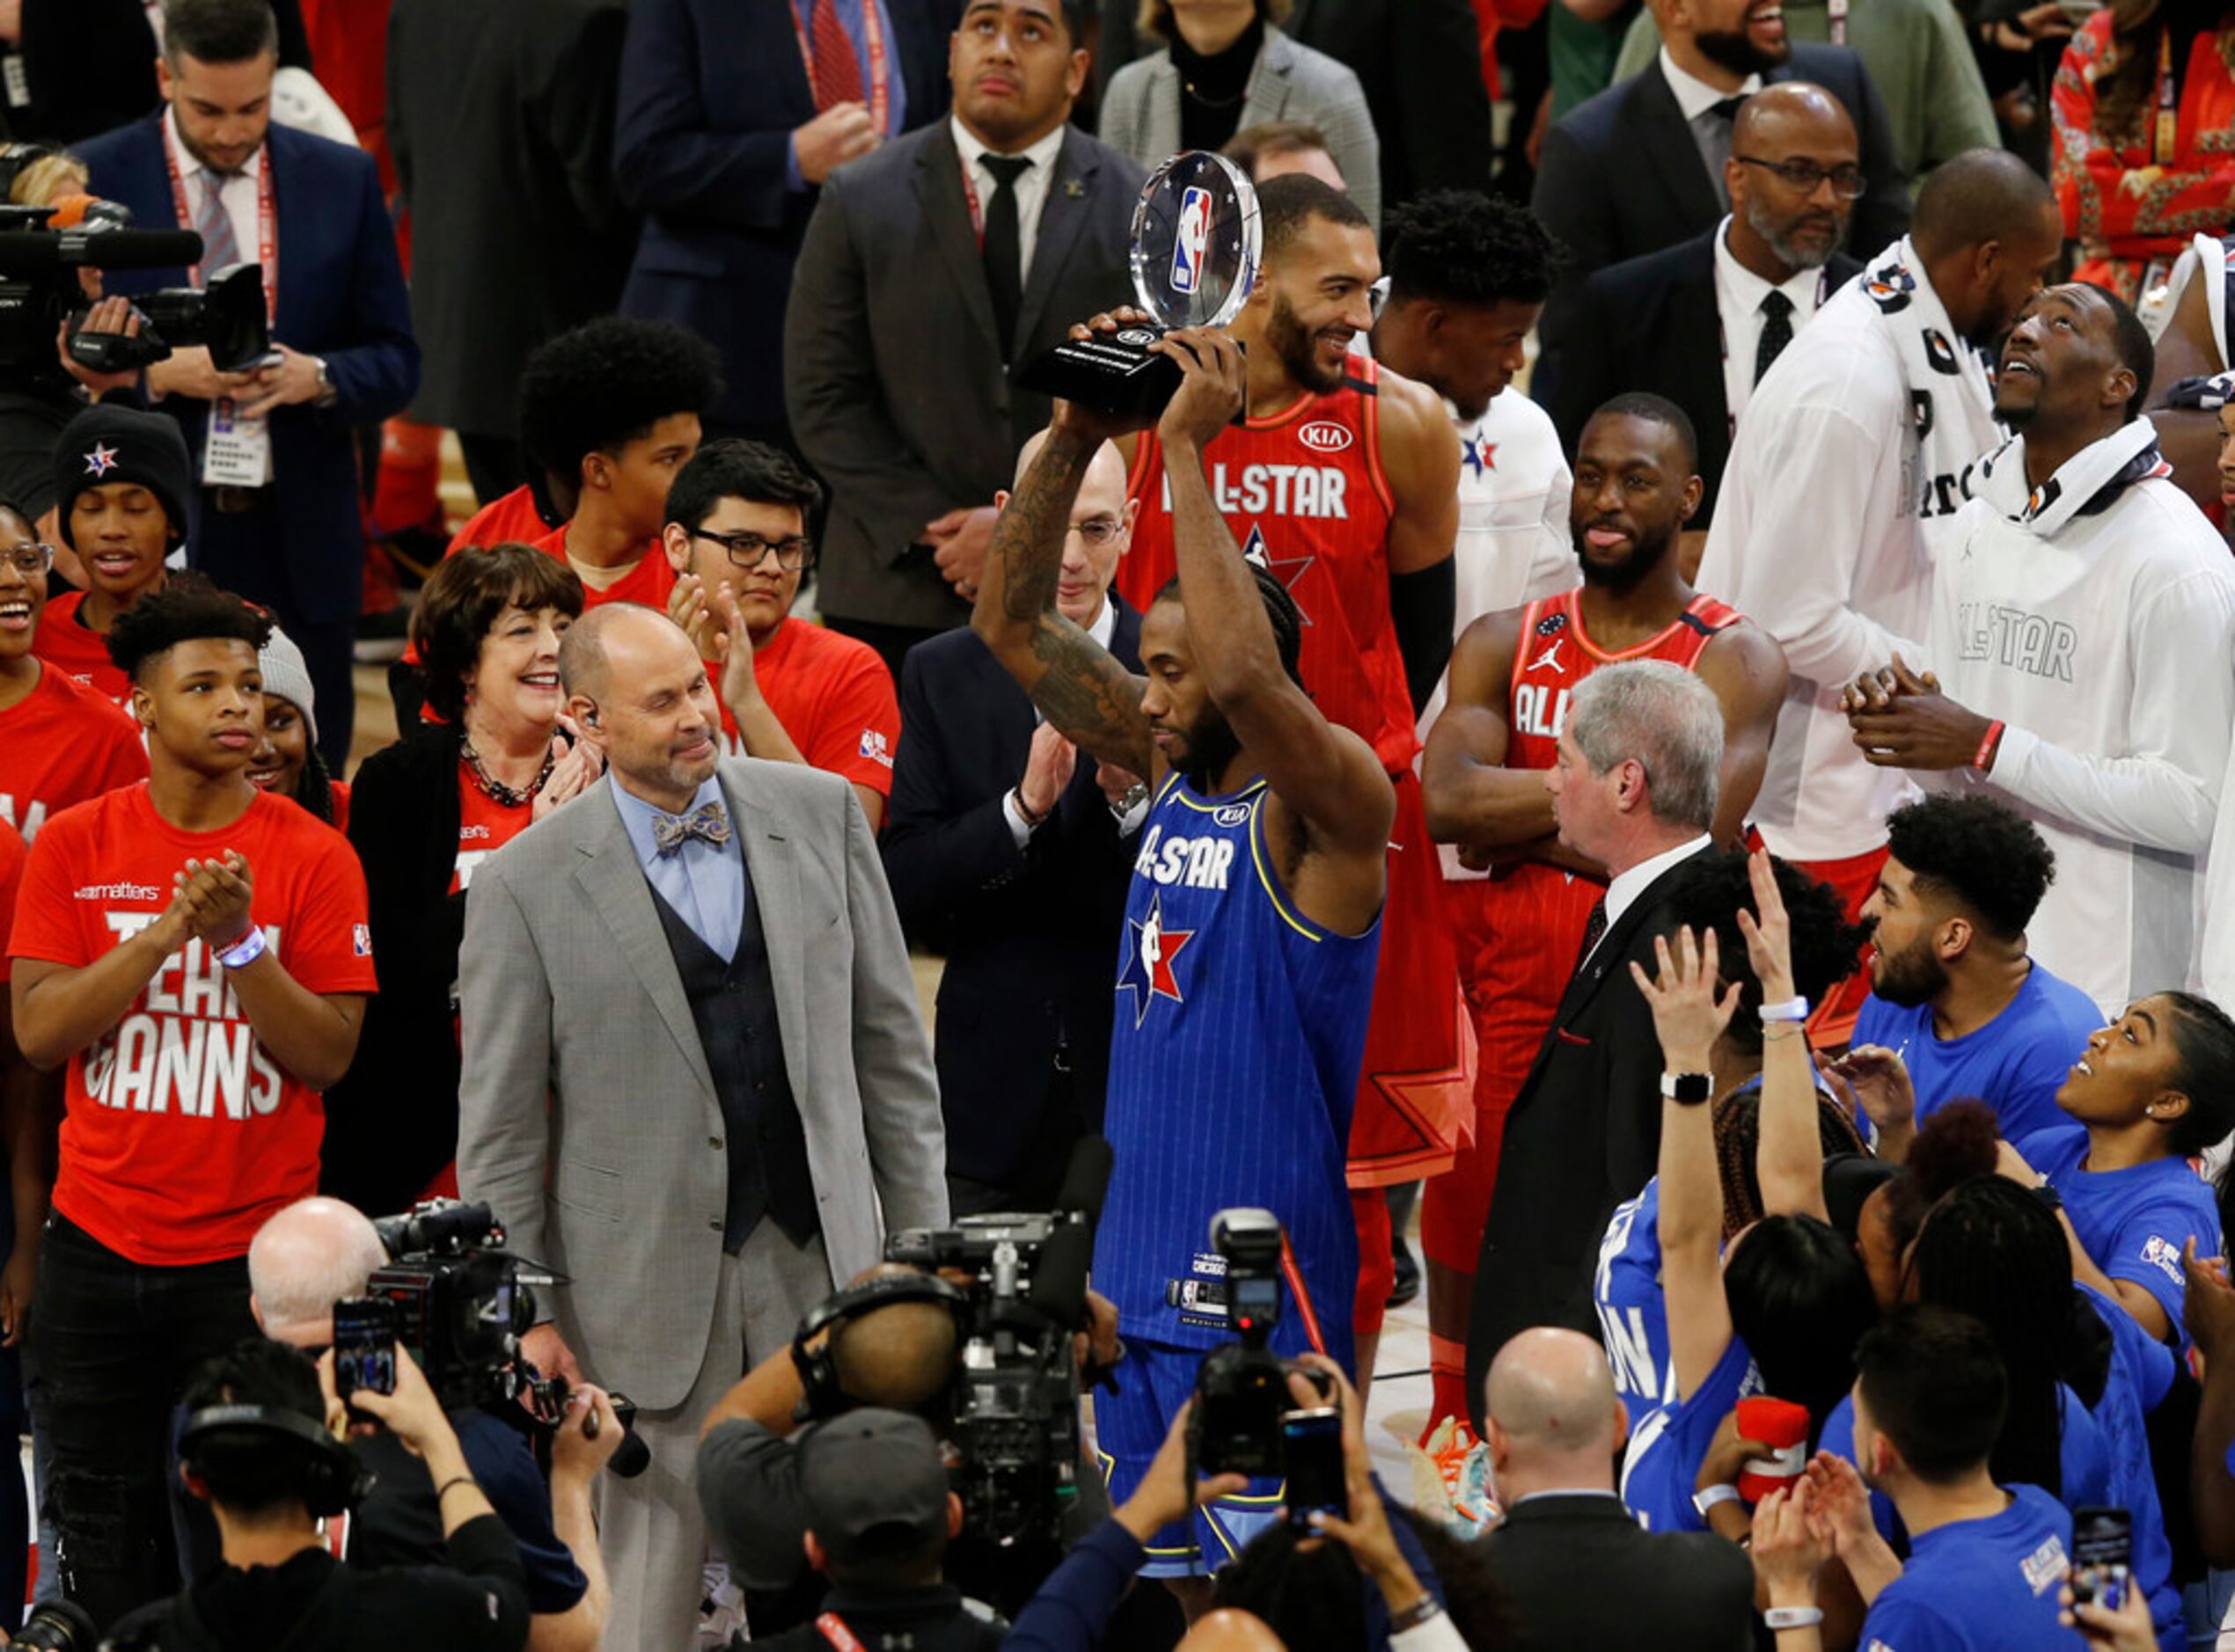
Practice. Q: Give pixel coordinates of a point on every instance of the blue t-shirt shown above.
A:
(1660, 1470)
(2142, 1369)
(2132, 1223)
(1633, 1316)
(2015, 1064)
(1981, 1585)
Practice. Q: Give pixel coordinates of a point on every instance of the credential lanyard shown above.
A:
(832, 1628)
(1838, 9)
(880, 71)
(2167, 136)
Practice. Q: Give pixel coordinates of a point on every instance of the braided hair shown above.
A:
(1738, 1141)
(1280, 609)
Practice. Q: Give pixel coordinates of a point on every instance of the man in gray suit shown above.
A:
(695, 1068)
(932, 270)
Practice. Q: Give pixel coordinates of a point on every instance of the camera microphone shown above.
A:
(1086, 1180)
(31, 252)
(1059, 1282)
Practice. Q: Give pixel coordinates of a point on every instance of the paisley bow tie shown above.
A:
(709, 820)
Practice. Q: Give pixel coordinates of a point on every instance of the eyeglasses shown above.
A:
(30, 560)
(1847, 182)
(1099, 531)
(749, 550)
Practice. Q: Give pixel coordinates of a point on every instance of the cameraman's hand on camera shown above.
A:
(547, 1351)
(110, 315)
(190, 372)
(1365, 1533)
(577, 1449)
(1162, 1497)
(1096, 1346)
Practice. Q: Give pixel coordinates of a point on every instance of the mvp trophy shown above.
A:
(1196, 245)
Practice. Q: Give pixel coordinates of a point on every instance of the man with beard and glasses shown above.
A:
(1740, 292)
(2076, 661)
(1957, 1008)
(1854, 453)
(1523, 928)
(1641, 166)
(1251, 931)
(1343, 483)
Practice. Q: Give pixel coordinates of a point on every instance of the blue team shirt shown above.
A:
(2141, 1372)
(2015, 1064)
(1240, 1030)
(1633, 1315)
(2131, 1223)
(1660, 1470)
(1981, 1585)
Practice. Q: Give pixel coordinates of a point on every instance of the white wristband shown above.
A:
(1793, 1617)
(1708, 1496)
(244, 952)
(1790, 1010)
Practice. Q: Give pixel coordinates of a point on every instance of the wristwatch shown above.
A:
(1687, 1089)
(327, 392)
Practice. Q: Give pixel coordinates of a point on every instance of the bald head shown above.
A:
(897, 1356)
(1981, 195)
(1550, 1392)
(1790, 111)
(1230, 1629)
(303, 1260)
(1107, 471)
(584, 665)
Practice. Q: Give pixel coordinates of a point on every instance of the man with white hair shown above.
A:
(1634, 788)
(1572, 1567)
(318, 1252)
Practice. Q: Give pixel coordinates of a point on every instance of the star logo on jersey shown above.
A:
(101, 460)
(1287, 570)
(1150, 951)
(1549, 659)
(1478, 455)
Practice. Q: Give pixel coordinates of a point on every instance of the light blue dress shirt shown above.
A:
(704, 882)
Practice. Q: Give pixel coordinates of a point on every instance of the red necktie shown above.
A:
(838, 72)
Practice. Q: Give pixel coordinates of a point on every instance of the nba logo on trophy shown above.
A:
(1194, 236)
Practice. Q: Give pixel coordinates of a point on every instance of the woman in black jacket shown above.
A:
(423, 813)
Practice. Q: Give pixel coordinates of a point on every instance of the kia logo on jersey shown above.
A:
(1325, 436)
(1194, 236)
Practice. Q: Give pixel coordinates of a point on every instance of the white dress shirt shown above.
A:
(1104, 627)
(238, 193)
(1739, 293)
(1624, 887)
(1032, 186)
(1710, 131)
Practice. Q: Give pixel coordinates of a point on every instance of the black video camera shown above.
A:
(1242, 1387)
(39, 292)
(452, 1295)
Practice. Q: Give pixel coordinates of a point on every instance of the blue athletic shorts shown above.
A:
(1153, 1381)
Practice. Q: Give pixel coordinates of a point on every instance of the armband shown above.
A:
(244, 952)
(1793, 1617)
(1786, 1010)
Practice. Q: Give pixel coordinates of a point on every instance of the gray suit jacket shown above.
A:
(1140, 110)
(569, 992)
(892, 371)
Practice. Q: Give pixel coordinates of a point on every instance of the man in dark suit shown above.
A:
(1640, 167)
(932, 270)
(732, 116)
(1007, 850)
(1573, 1569)
(1420, 62)
(1634, 790)
(1694, 322)
(278, 514)
(501, 119)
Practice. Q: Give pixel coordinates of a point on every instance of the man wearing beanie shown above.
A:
(121, 484)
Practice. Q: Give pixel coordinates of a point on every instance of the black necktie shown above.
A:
(1728, 107)
(1777, 332)
(1594, 929)
(1004, 249)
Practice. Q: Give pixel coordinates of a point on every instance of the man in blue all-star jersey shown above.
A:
(1252, 929)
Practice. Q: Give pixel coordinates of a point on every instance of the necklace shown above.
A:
(495, 790)
(1208, 102)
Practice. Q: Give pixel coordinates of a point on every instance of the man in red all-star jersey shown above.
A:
(1344, 481)
(1523, 930)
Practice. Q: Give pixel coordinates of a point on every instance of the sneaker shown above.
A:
(1452, 1480)
(1407, 1287)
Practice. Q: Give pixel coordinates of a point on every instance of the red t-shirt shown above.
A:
(512, 520)
(62, 745)
(182, 1133)
(834, 698)
(648, 583)
(341, 791)
(484, 826)
(66, 644)
(11, 859)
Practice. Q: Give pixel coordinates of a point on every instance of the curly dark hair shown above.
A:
(605, 384)
(732, 468)
(1977, 853)
(1954, 1145)
(188, 609)
(1460, 246)
(463, 598)
(1708, 892)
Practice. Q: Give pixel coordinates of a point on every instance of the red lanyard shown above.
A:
(267, 221)
(880, 74)
(1838, 9)
(834, 1629)
(2168, 124)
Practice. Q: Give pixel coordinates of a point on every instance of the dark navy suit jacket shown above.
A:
(710, 93)
(340, 296)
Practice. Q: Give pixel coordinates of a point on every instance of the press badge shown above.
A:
(18, 82)
(238, 453)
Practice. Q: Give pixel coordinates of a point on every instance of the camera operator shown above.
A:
(900, 1356)
(318, 1252)
(254, 1452)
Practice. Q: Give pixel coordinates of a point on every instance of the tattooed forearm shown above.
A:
(1026, 556)
(1090, 697)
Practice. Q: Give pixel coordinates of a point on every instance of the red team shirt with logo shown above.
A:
(648, 583)
(63, 744)
(182, 1133)
(484, 827)
(834, 698)
(69, 647)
